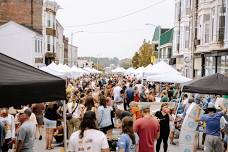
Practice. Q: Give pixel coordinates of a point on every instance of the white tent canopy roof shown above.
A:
(53, 72)
(119, 70)
(139, 70)
(160, 68)
(168, 78)
(91, 70)
(78, 70)
(130, 71)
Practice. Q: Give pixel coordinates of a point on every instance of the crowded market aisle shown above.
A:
(116, 113)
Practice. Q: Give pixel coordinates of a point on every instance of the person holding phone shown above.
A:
(164, 119)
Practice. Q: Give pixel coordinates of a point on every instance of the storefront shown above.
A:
(211, 63)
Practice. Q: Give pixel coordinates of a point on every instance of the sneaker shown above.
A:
(40, 138)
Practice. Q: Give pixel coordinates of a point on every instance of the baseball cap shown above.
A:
(211, 105)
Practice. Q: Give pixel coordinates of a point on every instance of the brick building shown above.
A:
(25, 12)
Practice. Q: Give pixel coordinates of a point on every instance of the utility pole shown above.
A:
(194, 34)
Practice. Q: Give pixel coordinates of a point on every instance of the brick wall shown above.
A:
(20, 12)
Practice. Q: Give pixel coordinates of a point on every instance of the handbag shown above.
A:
(70, 115)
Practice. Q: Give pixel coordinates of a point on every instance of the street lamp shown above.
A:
(159, 36)
(72, 35)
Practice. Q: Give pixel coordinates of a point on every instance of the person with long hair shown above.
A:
(104, 115)
(88, 138)
(128, 141)
(164, 119)
(50, 119)
(89, 104)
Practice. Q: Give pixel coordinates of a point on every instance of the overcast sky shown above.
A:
(119, 38)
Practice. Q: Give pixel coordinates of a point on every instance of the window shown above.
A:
(182, 9)
(169, 52)
(41, 46)
(48, 19)
(222, 14)
(212, 23)
(35, 45)
(188, 7)
(223, 64)
(38, 45)
(206, 21)
(209, 65)
(187, 37)
(49, 44)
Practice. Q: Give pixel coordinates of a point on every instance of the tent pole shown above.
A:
(178, 103)
(65, 126)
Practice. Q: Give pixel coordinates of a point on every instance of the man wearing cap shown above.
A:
(26, 133)
(213, 141)
(148, 129)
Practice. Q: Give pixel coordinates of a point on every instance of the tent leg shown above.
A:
(65, 126)
(178, 103)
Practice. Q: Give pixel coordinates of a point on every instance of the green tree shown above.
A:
(145, 53)
(125, 63)
(99, 67)
(136, 60)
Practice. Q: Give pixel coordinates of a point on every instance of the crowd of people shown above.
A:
(104, 114)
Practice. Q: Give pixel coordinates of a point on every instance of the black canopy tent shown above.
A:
(22, 84)
(213, 84)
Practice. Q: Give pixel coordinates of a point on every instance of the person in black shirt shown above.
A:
(164, 118)
(50, 119)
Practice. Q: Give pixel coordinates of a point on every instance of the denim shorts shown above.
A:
(51, 124)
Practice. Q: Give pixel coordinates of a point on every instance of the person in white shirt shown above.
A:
(74, 108)
(9, 124)
(139, 86)
(88, 138)
(116, 92)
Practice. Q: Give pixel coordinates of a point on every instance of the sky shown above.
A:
(121, 37)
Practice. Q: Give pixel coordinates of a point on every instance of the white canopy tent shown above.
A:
(139, 70)
(78, 70)
(91, 70)
(129, 71)
(53, 72)
(168, 78)
(148, 67)
(160, 68)
(119, 70)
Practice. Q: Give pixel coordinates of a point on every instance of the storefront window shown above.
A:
(221, 64)
(209, 65)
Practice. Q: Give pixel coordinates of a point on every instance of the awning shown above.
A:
(22, 84)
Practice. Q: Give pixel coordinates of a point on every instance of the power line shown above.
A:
(119, 17)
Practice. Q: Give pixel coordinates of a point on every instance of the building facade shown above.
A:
(211, 55)
(25, 12)
(166, 42)
(72, 55)
(49, 30)
(21, 43)
(59, 58)
(182, 36)
(200, 37)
